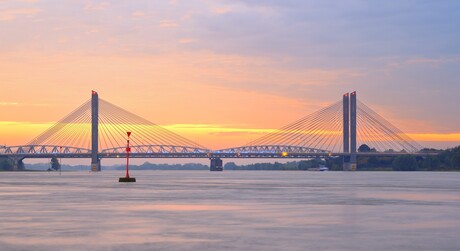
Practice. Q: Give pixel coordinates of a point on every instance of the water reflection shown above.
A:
(180, 207)
(174, 210)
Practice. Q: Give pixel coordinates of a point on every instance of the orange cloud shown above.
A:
(19, 133)
(8, 103)
(435, 136)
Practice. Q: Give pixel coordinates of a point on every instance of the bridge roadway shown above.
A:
(254, 152)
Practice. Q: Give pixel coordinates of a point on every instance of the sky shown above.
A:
(223, 73)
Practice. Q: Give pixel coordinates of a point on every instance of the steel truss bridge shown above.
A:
(43, 151)
(96, 130)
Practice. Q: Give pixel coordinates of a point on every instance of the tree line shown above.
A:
(446, 160)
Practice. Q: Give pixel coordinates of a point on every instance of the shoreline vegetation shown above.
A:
(447, 160)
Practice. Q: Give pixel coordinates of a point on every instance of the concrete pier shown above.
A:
(216, 164)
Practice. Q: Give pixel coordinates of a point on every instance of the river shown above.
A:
(230, 210)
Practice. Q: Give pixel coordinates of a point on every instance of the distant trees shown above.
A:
(405, 163)
(230, 166)
(292, 165)
(55, 165)
(448, 159)
(430, 163)
(365, 148)
(303, 165)
(153, 166)
(455, 160)
(307, 164)
(6, 164)
(445, 160)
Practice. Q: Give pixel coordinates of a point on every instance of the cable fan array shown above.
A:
(73, 130)
(376, 132)
(319, 130)
(114, 122)
(323, 130)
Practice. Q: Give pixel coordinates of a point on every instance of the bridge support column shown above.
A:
(18, 165)
(216, 164)
(349, 131)
(353, 162)
(96, 167)
(346, 132)
(95, 161)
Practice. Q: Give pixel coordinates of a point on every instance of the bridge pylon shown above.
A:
(349, 131)
(95, 160)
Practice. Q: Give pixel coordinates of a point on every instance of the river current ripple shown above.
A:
(230, 210)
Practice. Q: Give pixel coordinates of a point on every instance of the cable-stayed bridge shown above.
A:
(97, 129)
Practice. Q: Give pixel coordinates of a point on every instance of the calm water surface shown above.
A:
(245, 210)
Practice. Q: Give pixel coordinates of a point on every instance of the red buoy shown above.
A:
(128, 150)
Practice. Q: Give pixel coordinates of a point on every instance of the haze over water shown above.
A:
(247, 210)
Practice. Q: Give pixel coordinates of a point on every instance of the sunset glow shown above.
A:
(223, 73)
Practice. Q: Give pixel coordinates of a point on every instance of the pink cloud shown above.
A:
(138, 14)
(221, 10)
(96, 6)
(187, 40)
(168, 23)
(8, 15)
(29, 1)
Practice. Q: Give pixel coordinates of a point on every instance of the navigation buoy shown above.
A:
(128, 150)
